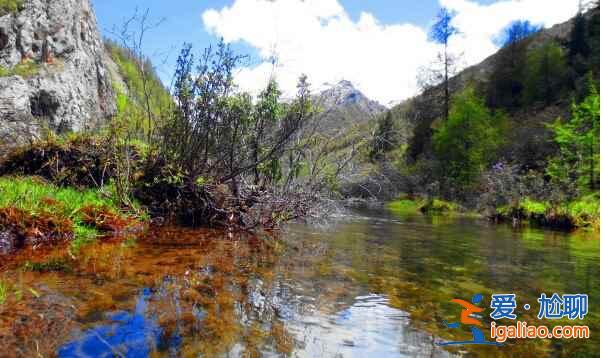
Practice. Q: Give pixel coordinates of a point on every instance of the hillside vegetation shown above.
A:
(521, 137)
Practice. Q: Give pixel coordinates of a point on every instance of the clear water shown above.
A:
(370, 284)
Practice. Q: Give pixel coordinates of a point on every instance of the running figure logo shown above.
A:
(467, 319)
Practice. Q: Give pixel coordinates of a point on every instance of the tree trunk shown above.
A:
(446, 82)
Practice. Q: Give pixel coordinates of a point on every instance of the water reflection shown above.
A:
(368, 328)
(127, 335)
(375, 284)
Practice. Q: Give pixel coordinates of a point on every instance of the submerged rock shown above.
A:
(54, 70)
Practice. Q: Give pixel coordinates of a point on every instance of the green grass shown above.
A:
(35, 196)
(31, 194)
(9, 6)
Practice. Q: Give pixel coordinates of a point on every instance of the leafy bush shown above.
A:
(578, 141)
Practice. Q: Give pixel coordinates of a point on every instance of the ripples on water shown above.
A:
(370, 285)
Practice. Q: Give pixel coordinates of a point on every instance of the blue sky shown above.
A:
(183, 22)
(378, 44)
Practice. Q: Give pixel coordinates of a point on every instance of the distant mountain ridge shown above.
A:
(343, 105)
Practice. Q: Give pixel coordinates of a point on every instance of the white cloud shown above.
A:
(318, 37)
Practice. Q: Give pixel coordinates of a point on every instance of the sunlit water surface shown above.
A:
(370, 284)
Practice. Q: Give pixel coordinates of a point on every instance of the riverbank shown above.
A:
(582, 213)
(35, 212)
(74, 189)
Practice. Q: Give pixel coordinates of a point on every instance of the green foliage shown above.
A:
(403, 206)
(578, 142)
(438, 206)
(582, 212)
(466, 143)
(267, 112)
(144, 92)
(10, 6)
(532, 207)
(546, 71)
(585, 210)
(525, 208)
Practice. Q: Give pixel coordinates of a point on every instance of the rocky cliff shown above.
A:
(53, 70)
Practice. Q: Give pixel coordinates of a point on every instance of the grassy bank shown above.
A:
(580, 213)
(33, 211)
(427, 206)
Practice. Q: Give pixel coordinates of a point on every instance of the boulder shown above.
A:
(66, 85)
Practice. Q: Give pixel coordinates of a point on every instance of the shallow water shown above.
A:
(370, 284)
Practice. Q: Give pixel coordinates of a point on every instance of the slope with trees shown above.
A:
(501, 149)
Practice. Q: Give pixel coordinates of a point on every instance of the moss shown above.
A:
(403, 206)
(26, 69)
(10, 6)
(438, 206)
(583, 212)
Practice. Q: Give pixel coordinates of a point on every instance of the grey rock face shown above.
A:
(72, 89)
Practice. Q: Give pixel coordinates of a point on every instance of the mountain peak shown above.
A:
(344, 105)
(345, 83)
(344, 93)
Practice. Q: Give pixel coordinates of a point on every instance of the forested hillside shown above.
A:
(521, 127)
